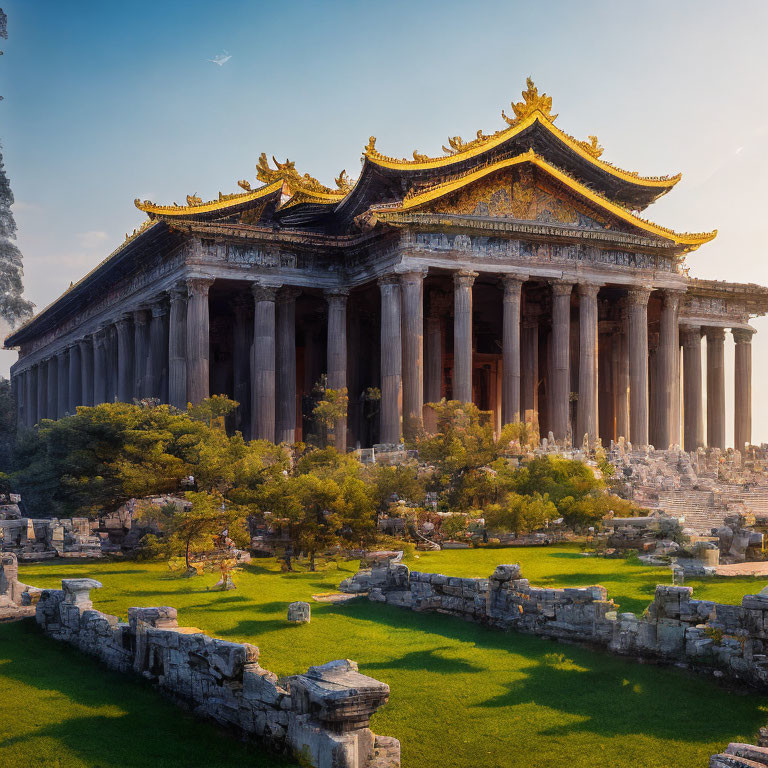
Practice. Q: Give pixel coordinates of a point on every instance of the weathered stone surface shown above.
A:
(299, 612)
(322, 715)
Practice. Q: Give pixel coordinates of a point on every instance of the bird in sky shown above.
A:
(220, 59)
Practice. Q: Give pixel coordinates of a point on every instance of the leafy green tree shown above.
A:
(330, 411)
(520, 514)
(402, 480)
(592, 508)
(462, 450)
(194, 527)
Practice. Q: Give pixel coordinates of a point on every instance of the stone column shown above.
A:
(263, 363)
(62, 405)
(621, 381)
(337, 355)
(241, 364)
(412, 320)
(198, 342)
(177, 346)
(529, 374)
(462, 335)
(75, 388)
(140, 353)
(42, 390)
(715, 388)
(742, 426)
(433, 366)
(100, 366)
(561, 332)
(156, 352)
(667, 373)
(30, 397)
(285, 377)
(110, 349)
(510, 382)
(390, 423)
(586, 413)
(693, 413)
(52, 406)
(86, 370)
(637, 313)
(125, 359)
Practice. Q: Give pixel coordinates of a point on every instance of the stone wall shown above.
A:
(729, 640)
(321, 716)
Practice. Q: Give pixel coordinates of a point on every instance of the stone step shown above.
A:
(740, 756)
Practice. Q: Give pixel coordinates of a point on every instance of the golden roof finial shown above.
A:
(287, 172)
(531, 102)
(343, 182)
(243, 184)
(194, 200)
(371, 145)
(455, 144)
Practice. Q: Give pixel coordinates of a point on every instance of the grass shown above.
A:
(462, 695)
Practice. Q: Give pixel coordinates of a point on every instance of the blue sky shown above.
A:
(109, 101)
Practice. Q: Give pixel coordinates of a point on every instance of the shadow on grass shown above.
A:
(431, 661)
(144, 730)
(612, 695)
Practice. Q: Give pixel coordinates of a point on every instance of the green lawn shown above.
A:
(462, 695)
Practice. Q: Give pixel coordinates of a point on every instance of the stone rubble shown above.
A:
(299, 612)
(321, 717)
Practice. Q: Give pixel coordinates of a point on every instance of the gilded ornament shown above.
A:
(243, 184)
(194, 200)
(455, 145)
(343, 182)
(532, 102)
(287, 172)
(370, 147)
(420, 158)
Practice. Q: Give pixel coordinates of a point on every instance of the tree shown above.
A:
(100, 457)
(463, 452)
(7, 425)
(207, 516)
(401, 480)
(520, 514)
(330, 411)
(13, 306)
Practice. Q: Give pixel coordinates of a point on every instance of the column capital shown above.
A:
(464, 278)
(264, 292)
(714, 334)
(690, 335)
(288, 294)
(408, 275)
(336, 295)
(140, 316)
(199, 285)
(671, 297)
(743, 335)
(512, 285)
(561, 287)
(179, 292)
(123, 322)
(638, 295)
(389, 279)
(588, 290)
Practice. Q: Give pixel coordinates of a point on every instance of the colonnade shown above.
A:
(162, 350)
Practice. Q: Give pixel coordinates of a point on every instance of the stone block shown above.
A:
(299, 612)
(78, 591)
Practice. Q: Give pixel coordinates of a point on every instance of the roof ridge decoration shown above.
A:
(294, 181)
(413, 200)
(196, 205)
(534, 107)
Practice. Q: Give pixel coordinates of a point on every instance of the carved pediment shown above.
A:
(521, 194)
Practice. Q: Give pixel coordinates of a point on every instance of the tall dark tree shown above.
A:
(13, 306)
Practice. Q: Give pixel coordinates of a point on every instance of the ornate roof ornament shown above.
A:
(592, 146)
(455, 144)
(243, 184)
(287, 172)
(531, 103)
(194, 200)
(370, 147)
(343, 182)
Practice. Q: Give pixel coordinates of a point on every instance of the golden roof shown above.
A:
(196, 205)
(415, 200)
(533, 108)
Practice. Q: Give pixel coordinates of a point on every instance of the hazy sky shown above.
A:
(109, 101)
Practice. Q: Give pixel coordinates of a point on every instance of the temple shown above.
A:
(515, 271)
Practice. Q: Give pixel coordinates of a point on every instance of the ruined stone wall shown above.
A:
(321, 716)
(730, 640)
